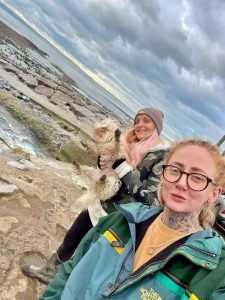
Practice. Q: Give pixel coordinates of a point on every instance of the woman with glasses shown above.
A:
(143, 252)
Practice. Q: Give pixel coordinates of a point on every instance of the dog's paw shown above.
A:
(117, 135)
(106, 187)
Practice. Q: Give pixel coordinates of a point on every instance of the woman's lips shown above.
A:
(177, 196)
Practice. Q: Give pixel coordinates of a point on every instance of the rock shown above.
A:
(4, 264)
(33, 222)
(64, 90)
(22, 165)
(23, 97)
(24, 203)
(88, 121)
(29, 80)
(81, 111)
(49, 134)
(12, 69)
(65, 126)
(43, 90)
(54, 164)
(46, 82)
(6, 223)
(77, 99)
(94, 108)
(16, 94)
(76, 149)
(3, 62)
(7, 188)
(59, 97)
(4, 84)
(101, 116)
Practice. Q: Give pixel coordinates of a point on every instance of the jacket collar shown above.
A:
(203, 248)
(136, 212)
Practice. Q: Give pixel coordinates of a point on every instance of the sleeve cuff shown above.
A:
(123, 169)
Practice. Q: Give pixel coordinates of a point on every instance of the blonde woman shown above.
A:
(139, 174)
(146, 252)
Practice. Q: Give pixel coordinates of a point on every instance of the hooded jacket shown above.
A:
(191, 268)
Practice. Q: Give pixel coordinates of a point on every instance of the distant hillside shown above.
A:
(6, 33)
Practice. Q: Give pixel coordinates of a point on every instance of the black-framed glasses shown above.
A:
(195, 181)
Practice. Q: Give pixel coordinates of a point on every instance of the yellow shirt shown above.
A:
(157, 237)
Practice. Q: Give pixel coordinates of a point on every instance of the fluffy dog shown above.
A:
(100, 184)
(107, 136)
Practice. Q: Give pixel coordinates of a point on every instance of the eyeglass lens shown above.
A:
(195, 181)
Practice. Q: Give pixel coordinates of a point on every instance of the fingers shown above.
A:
(106, 162)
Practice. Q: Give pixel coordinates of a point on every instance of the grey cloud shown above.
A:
(107, 22)
(143, 48)
(150, 8)
(209, 17)
(211, 62)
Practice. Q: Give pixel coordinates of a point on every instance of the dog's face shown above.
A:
(107, 186)
(104, 131)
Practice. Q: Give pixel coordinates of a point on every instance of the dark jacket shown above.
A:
(141, 184)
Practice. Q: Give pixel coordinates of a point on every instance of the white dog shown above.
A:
(100, 184)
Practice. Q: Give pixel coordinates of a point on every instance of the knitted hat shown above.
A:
(155, 114)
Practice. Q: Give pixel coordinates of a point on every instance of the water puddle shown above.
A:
(15, 134)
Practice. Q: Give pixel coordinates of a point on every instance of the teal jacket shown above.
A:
(191, 268)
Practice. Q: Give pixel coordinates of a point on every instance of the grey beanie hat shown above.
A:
(155, 114)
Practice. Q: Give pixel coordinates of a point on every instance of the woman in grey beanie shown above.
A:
(156, 116)
(139, 173)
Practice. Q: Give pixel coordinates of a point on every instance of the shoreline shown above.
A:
(33, 83)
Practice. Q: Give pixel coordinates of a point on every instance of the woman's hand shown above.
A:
(106, 161)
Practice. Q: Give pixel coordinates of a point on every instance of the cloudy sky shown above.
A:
(166, 54)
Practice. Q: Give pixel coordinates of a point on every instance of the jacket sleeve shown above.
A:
(218, 294)
(56, 286)
(142, 183)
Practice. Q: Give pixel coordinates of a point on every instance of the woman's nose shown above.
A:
(182, 182)
(140, 123)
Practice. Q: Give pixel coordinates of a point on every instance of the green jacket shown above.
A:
(141, 184)
(191, 268)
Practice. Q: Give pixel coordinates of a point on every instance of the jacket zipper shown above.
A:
(175, 279)
(178, 281)
(117, 284)
(200, 250)
(119, 242)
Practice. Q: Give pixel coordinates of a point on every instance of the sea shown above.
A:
(10, 128)
(85, 83)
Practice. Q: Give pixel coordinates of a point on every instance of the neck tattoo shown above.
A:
(183, 222)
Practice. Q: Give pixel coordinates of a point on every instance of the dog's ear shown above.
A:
(117, 134)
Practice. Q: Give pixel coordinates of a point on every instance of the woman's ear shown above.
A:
(215, 194)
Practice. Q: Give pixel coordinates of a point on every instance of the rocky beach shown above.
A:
(37, 190)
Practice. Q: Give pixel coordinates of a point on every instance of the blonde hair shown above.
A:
(207, 215)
